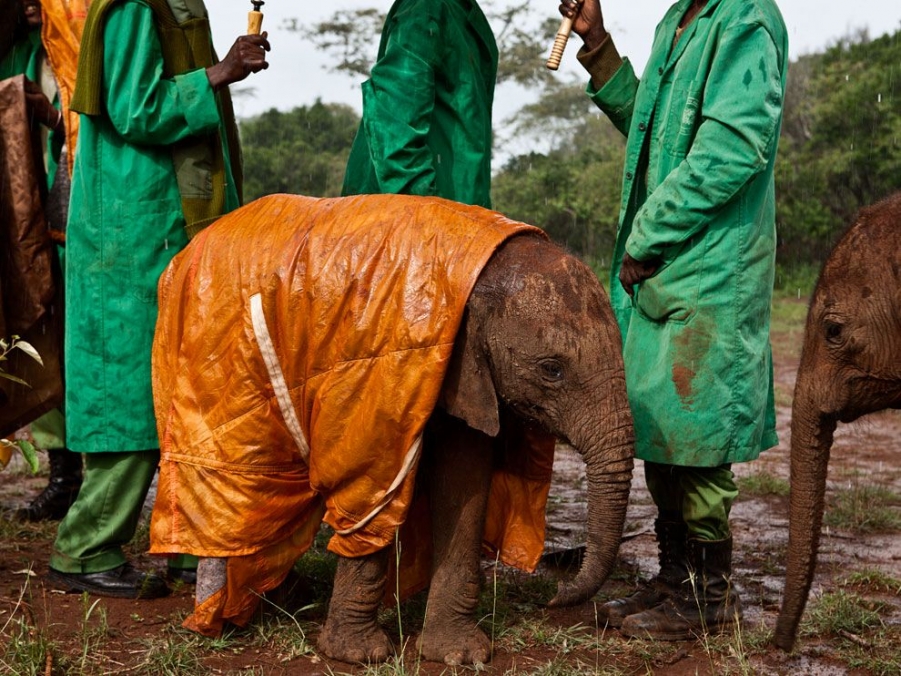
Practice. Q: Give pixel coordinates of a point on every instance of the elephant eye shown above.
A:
(834, 332)
(551, 369)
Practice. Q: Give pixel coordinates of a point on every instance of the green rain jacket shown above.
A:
(426, 127)
(702, 130)
(125, 225)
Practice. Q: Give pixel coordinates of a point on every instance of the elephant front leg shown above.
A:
(351, 632)
(459, 479)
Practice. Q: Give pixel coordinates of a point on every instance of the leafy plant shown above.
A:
(7, 446)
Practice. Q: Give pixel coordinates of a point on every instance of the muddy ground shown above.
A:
(858, 580)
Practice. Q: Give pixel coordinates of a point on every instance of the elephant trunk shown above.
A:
(608, 460)
(811, 441)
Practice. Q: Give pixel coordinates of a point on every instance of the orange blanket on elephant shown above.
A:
(300, 349)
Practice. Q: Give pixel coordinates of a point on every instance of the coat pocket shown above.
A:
(681, 119)
(146, 236)
(672, 294)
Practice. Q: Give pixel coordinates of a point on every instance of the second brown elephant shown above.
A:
(302, 343)
(850, 366)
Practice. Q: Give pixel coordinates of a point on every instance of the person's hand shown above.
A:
(633, 272)
(588, 22)
(40, 108)
(246, 56)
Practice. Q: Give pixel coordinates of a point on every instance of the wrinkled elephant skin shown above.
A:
(850, 366)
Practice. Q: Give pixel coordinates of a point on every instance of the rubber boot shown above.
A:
(62, 488)
(706, 604)
(671, 542)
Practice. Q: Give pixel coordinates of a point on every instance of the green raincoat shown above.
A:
(426, 127)
(702, 126)
(125, 225)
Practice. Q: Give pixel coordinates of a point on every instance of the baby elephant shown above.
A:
(850, 366)
(395, 366)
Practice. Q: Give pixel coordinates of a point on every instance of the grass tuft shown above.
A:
(872, 579)
(763, 483)
(837, 612)
(863, 508)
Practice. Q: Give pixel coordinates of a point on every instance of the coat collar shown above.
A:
(481, 26)
(671, 23)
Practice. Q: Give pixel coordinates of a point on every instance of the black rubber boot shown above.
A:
(62, 488)
(671, 543)
(706, 604)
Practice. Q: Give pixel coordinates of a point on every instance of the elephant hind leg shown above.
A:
(459, 473)
(351, 632)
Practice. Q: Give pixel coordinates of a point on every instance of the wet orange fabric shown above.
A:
(300, 349)
(63, 22)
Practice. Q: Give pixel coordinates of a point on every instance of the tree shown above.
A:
(841, 142)
(302, 151)
(573, 192)
(348, 36)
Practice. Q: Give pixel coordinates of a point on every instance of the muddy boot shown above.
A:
(671, 539)
(706, 604)
(62, 488)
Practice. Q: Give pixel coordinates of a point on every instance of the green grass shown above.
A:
(856, 632)
(170, 655)
(879, 654)
(762, 483)
(873, 580)
(863, 508)
(27, 650)
(840, 612)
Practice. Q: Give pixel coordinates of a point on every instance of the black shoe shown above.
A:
(62, 488)
(125, 582)
(706, 604)
(672, 538)
(182, 575)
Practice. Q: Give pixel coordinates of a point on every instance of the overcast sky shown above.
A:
(296, 75)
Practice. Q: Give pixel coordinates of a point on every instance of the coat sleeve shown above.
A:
(617, 96)
(735, 141)
(144, 107)
(398, 101)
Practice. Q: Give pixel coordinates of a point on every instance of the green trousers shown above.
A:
(49, 431)
(106, 513)
(702, 497)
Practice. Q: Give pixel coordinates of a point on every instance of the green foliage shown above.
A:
(841, 142)
(348, 37)
(16, 343)
(25, 447)
(303, 151)
(573, 193)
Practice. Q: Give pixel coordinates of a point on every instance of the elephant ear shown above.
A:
(468, 391)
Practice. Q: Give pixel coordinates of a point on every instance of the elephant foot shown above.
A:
(455, 644)
(351, 632)
(355, 644)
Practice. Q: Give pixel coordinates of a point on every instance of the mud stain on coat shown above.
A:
(690, 348)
